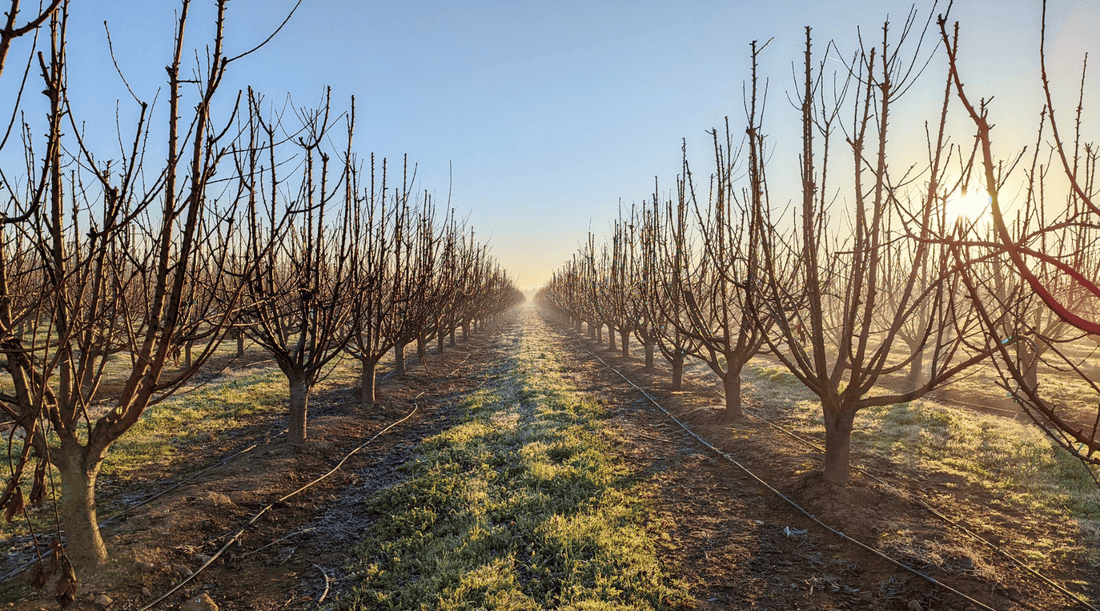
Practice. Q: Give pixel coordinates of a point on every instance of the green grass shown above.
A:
(178, 423)
(1015, 464)
(1017, 467)
(1012, 461)
(172, 429)
(517, 506)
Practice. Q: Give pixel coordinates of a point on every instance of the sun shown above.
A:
(969, 205)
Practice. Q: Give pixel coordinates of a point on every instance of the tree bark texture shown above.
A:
(732, 384)
(399, 359)
(838, 443)
(368, 384)
(83, 542)
(299, 406)
(677, 369)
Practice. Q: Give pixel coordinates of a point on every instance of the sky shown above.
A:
(541, 118)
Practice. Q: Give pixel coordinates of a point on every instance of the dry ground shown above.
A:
(721, 531)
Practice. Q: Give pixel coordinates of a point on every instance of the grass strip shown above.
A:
(520, 505)
(1020, 469)
(169, 429)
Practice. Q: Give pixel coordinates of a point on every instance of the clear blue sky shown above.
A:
(553, 111)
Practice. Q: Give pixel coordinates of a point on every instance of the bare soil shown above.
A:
(737, 544)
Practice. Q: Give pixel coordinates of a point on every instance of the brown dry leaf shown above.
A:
(38, 576)
(58, 552)
(66, 585)
(38, 490)
(15, 505)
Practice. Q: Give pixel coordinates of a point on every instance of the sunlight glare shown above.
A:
(967, 206)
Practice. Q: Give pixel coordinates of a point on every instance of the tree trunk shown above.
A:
(187, 354)
(648, 345)
(916, 371)
(89, 374)
(367, 384)
(288, 326)
(83, 543)
(838, 443)
(399, 359)
(452, 337)
(299, 405)
(1029, 361)
(240, 344)
(422, 351)
(439, 335)
(591, 330)
(466, 330)
(611, 338)
(625, 337)
(677, 369)
(732, 384)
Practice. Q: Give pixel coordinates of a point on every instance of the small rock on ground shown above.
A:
(216, 499)
(202, 602)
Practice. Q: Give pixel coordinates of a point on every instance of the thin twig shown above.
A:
(321, 598)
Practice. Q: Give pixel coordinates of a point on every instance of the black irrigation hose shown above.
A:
(791, 502)
(236, 536)
(153, 497)
(240, 531)
(183, 481)
(1020, 563)
(20, 569)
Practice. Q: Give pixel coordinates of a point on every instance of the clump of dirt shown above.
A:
(862, 509)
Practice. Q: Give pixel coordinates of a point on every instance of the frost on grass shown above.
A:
(1013, 464)
(519, 506)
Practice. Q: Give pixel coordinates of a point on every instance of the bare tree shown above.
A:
(373, 276)
(413, 280)
(299, 291)
(828, 327)
(118, 265)
(13, 30)
(617, 291)
(720, 282)
(667, 252)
